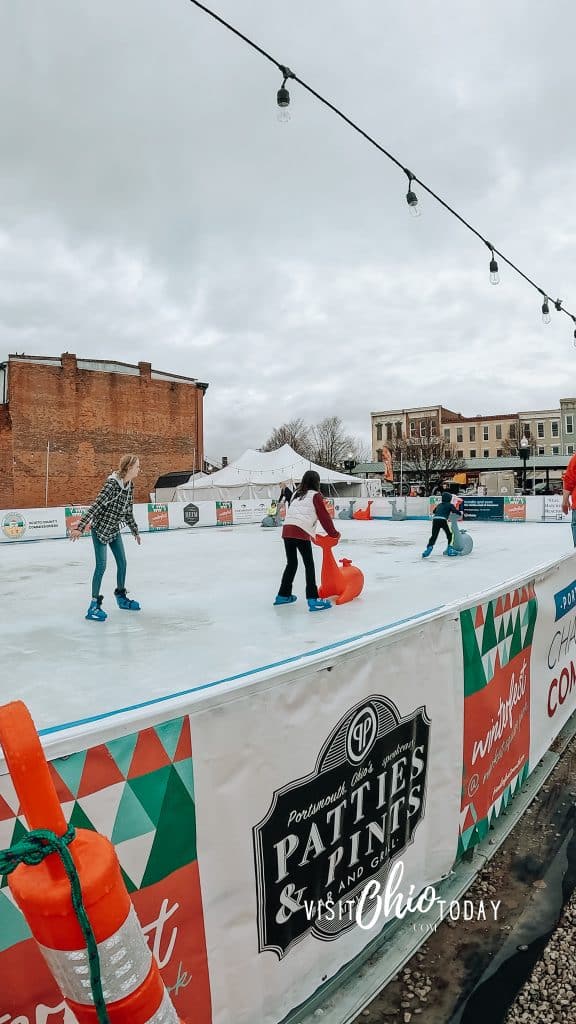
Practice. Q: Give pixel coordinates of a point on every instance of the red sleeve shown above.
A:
(569, 477)
(324, 515)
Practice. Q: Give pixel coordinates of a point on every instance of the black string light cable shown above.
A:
(283, 101)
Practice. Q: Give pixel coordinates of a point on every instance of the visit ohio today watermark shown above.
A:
(375, 902)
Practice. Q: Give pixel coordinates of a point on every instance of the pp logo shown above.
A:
(191, 515)
(362, 734)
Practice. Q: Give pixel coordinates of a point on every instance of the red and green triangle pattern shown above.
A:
(494, 633)
(137, 790)
(472, 830)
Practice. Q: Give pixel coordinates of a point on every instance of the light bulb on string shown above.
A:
(411, 197)
(558, 305)
(283, 96)
(546, 318)
(494, 275)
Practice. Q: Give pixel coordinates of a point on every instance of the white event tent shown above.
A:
(259, 475)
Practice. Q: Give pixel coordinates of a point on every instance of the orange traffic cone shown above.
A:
(133, 990)
(363, 513)
(346, 583)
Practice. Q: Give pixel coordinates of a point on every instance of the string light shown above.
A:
(283, 101)
(494, 275)
(411, 197)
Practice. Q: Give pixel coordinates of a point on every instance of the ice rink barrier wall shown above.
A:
(26, 524)
(235, 809)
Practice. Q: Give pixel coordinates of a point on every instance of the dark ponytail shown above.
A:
(309, 482)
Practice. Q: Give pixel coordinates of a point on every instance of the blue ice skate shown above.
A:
(451, 551)
(316, 604)
(96, 612)
(285, 600)
(125, 602)
(427, 552)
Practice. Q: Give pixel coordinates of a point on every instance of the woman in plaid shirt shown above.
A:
(113, 507)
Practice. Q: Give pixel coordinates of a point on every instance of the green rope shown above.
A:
(32, 850)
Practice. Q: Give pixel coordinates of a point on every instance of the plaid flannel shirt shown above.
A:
(111, 510)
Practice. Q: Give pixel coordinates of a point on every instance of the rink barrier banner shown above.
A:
(138, 791)
(37, 524)
(354, 767)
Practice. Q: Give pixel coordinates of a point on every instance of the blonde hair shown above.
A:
(126, 463)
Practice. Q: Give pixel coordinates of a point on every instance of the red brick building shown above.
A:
(65, 423)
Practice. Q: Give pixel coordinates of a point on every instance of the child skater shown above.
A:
(440, 522)
(113, 507)
(306, 509)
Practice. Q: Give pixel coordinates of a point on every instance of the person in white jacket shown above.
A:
(306, 509)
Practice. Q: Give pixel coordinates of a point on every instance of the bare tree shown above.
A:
(427, 457)
(296, 433)
(331, 445)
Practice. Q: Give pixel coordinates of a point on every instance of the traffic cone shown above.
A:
(133, 989)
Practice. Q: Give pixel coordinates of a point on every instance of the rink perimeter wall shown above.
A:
(52, 523)
(234, 809)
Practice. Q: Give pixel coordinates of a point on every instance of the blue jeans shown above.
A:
(117, 549)
(574, 526)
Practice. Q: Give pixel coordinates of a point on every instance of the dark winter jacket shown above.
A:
(443, 510)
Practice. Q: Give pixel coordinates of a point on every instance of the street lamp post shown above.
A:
(524, 452)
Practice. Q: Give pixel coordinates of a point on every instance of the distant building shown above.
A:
(65, 422)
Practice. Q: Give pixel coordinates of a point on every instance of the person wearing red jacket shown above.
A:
(305, 511)
(569, 493)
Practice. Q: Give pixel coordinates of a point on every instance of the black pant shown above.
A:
(293, 546)
(437, 525)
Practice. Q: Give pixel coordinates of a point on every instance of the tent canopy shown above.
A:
(259, 475)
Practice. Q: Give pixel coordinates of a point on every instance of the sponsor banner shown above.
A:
(496, 643)
(553, 657)
(354, 767)
(224, 513)
(515, 509)
(158, 517)
(252, 510)
(187, 514)
(477, 507)
(32, 524)
(73, 514)
(553, 509)
(138, 791)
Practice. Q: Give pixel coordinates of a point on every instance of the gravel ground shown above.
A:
(549, 995)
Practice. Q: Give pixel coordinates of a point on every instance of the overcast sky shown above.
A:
(152, 207)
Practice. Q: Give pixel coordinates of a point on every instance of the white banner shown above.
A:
(553, 509)
(346, 769)
(553, 663)
(31, 524)
(187, 514)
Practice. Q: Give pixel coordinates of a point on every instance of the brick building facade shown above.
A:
(65, 423)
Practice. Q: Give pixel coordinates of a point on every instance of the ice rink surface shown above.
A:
(207, 611)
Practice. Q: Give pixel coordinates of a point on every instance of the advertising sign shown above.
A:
(73, 515)
(515, 509)
(478, 507)
(224, 513)
(31, 524)
(158, 517)
(497, 642)
(553, 657)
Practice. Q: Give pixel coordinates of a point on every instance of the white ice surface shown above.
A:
(207, 612)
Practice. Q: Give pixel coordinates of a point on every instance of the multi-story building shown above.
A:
(65, 423)
(551, 431)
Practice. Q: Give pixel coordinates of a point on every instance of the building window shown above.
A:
(555, 428)
(485, 433)
(459, 455)
(569, 449)
(486, 453)
(472, 453)
(447, 453)
(498, 431)
(399, 429)
(433, 428)
(422, 428)
(378, 431)
(526, 430)
(459, 435)
(512, 431)
(446, 433)
(412, 428)
(541, 450)
(555, 449)
(569, 424)
(388, 431)
(499, 453)
(540, 429)
(472, 433)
